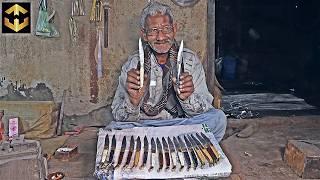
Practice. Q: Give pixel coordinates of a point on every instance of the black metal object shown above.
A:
(185, 3)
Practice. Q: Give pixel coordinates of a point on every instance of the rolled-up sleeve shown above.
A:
(122, 108)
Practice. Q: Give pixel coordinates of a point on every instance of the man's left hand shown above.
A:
(186, 86)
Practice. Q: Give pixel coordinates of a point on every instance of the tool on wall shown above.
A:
(77, 8)
(98, 52)
(73, 30)
(45, 27)
(106, 8)
(60, 120)
(96, 11)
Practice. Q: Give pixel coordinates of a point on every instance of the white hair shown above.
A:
(153, 8)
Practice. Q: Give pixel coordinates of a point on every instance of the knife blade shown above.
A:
(213, 150)
(131, 148)
(112, 149)
(194, 159)
(145, 152)
(105, 149)
(141, 57)
(173, 154)
(160, 154)
(198, 151)
(185, 153)
(179, 62)
(202, 150)
(166, 153)
(153, 155)
(137, 153)
(122, 150)
(180, 153)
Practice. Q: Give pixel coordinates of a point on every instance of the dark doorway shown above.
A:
(269, 45)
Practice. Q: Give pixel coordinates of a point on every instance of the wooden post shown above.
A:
(211, 45)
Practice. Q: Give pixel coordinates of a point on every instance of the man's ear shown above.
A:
(143, 34)
(175, 28)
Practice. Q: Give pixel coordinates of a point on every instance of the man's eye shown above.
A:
(154, 30)
(167, 29)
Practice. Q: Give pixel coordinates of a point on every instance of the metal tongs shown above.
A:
(179, 63)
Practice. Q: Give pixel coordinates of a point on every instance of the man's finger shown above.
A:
(174, 80)
(133, 86)
(183, 75)
(132, 92)
(134, 74)
(185, 78)
(133, 80)
(187, 90)
(186, 84)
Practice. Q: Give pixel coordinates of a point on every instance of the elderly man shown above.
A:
(160, 101)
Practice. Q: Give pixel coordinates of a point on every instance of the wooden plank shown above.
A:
(303, 156)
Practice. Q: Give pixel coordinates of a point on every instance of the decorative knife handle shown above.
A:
(182, 160)
(173, 160)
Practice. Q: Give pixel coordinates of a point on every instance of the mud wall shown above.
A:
(66, 66)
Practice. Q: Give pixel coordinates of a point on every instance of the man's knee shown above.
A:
(222, 118)
(218, 118)
(217, 123)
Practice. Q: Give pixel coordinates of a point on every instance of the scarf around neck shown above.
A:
(168, 98)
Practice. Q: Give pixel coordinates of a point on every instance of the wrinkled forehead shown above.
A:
(158, 20)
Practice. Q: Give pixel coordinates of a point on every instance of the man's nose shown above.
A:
(161, 35)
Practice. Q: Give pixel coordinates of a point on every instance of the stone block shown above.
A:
(303, 156)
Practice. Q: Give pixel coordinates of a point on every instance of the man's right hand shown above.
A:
(133, 86)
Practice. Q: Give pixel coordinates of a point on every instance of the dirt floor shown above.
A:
(259, 156)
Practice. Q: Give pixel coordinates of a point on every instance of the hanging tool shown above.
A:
(106, 8)
(96, 9)
(60, 120)
(73, 30)
(77, 8)
(98, 53)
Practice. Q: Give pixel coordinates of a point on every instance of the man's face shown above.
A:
(159, 33)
